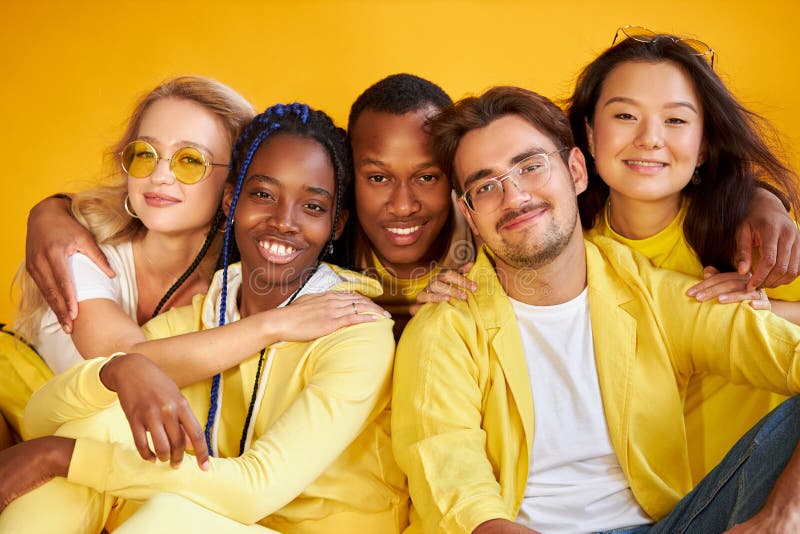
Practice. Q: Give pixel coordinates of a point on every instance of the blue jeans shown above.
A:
(738, 487)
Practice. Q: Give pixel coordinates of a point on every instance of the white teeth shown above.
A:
(645, 163)
(276, 248)
(403, 231)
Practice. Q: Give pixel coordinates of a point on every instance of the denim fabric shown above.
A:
(738, 487)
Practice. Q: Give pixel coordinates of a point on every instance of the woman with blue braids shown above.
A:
(298, 431)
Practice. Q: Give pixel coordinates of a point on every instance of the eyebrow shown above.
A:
(274, 181)
(182, 143)
(626, 100)
(485, 173)
(383, 165)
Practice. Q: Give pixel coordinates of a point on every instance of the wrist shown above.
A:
(58, 454)
(110, 371)
(271, 326)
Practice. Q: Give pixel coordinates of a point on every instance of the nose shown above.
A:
(650, 134)
(403, 201)
(283, 218)
(162, 174)
(513, 193)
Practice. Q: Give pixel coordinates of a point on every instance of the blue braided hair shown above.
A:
(281, 119)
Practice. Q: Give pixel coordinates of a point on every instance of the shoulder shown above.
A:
(176, 321)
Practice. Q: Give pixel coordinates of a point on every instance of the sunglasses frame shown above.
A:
(172, 162)
(704, 50)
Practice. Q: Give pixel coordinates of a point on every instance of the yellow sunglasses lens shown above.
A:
(189, 165)
(139, 159)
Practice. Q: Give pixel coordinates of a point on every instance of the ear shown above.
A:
(227, 198)
(344, 214)
(577, 169)
(589, 136)
(467, 213)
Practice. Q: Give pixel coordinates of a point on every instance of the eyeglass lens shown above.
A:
(139, 159)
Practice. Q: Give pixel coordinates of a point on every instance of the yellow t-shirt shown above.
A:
(717, 412)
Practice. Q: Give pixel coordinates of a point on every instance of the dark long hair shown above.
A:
(737, 151)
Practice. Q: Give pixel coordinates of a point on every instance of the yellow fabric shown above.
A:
(184, 516)
(717, 412)
(22, 372)
(463, 415)
(321, 458)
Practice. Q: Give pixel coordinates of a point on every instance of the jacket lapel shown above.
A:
(614, 354)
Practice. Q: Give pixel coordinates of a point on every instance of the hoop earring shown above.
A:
(696, 179)
(128, 208)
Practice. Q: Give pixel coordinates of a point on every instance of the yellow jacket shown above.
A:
(320, 460)
(709, 398)
(462, 420)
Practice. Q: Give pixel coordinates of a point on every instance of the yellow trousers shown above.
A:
(63, 507)
(22, 372)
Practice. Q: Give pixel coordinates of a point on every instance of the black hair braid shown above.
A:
(212, 232)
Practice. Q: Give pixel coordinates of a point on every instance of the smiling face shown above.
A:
(284, 214)
(163, 203)
(402, 197)
(647, 135)
(529, 229)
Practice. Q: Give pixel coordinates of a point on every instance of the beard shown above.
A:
(528, 253)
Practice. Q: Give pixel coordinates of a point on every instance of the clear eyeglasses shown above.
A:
(530, 174)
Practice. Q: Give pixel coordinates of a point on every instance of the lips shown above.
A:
(159, 200)
(403, 233)
(278, 251)
(645, 165)
(514, 219)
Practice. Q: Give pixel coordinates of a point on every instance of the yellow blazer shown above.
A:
(462, 420)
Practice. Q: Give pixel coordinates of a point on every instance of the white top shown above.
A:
(575, 483)
(56, 347)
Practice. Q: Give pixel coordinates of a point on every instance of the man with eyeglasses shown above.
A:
(552, 399)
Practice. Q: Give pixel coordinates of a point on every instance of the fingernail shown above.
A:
(387, 314)
(700, 296)
(691, 291)
(205, 466)
(724, 298)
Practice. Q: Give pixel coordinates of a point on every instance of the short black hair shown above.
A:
(398, 94)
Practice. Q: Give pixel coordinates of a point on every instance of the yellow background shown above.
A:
(70, 71)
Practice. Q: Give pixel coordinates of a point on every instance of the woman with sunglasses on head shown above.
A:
(159, 227)
(304, 425)
(675, 162)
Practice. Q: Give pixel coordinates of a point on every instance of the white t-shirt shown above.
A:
(575, 482)
(56, 347)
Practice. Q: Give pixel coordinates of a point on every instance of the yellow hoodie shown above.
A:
(320, 458)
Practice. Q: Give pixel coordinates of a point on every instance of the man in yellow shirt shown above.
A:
(552, 398)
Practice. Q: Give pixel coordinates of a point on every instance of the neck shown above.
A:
(637, 219)
(166, 256)
(559, 281)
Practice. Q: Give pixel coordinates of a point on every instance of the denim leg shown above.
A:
(738, 487)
